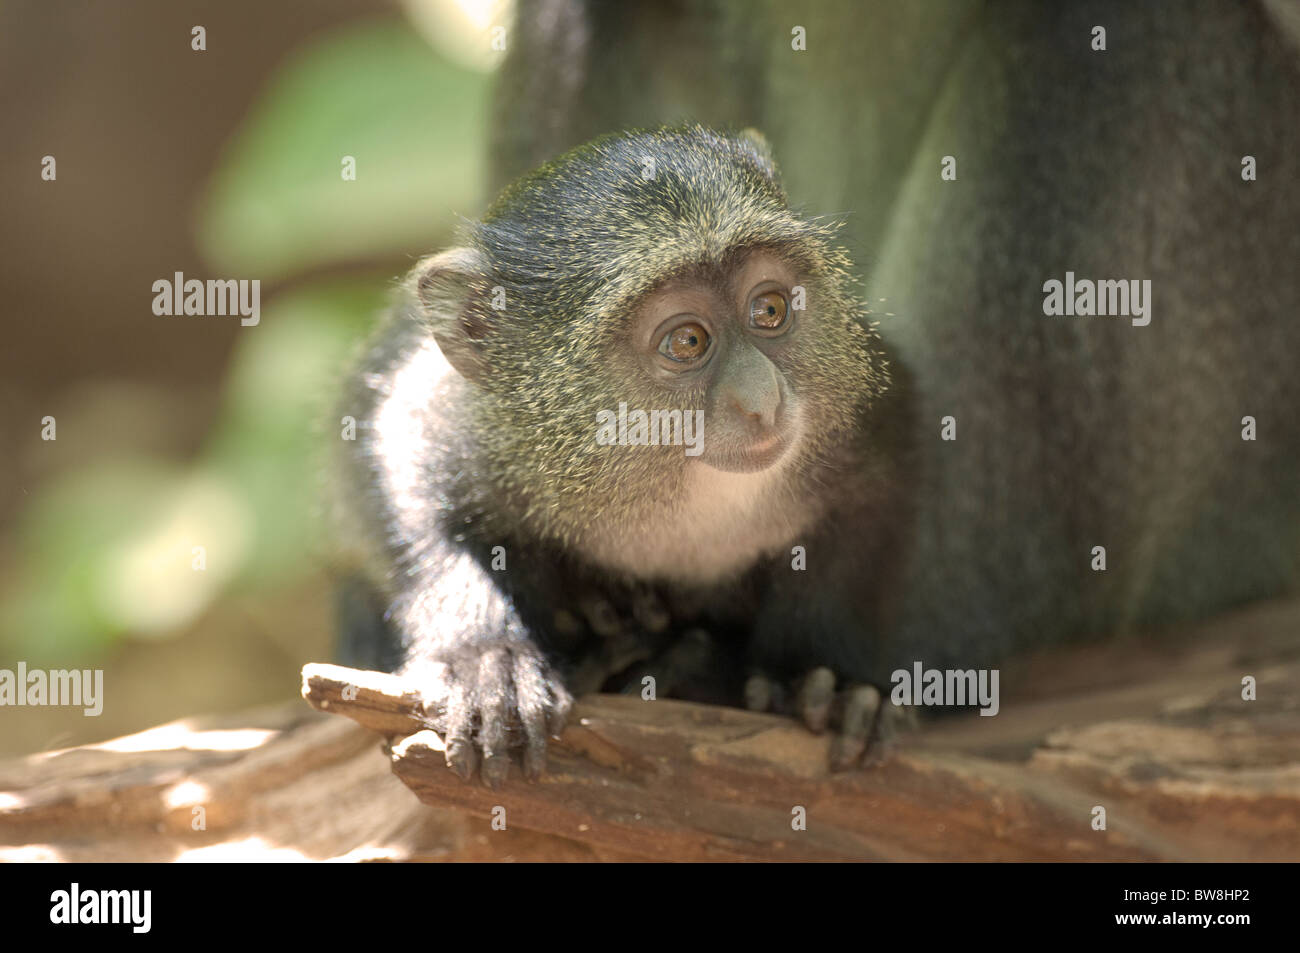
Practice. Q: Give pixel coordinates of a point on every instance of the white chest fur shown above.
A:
(716, 528)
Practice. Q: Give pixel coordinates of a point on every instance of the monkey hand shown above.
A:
(864, 727)
(487, 697)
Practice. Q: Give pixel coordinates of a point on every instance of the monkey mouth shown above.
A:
(749, 455)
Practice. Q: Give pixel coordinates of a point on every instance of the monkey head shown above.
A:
(651, 271)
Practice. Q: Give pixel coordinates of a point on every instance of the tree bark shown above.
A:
(1185, 768)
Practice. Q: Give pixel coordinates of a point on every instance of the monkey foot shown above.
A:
(865, 728)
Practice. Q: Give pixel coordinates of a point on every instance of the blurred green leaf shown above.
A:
(276, 419)
(415, 124)
(109, 549)
(68, 534)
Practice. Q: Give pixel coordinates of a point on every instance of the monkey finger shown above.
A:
(600, 615)
(589, 675)
(534, 722)
(494, 698)
(566, 623)
(816, 694)
(686, 659)
(891, 721)
(530, 698)
(861, 707)
(459, 731)
(692, 654)
(650, 612)
(622, 651)
(561, 704)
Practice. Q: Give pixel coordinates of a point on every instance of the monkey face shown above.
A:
(764, 352)
(639, 346)
(723, 335)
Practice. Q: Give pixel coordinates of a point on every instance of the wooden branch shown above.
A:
(1209, 777)
(1156, 732)
(375, 700)
(666, 780)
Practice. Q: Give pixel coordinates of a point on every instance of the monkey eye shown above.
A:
(686, 342)
(768, 311)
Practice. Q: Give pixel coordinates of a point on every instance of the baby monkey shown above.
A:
(635, 425)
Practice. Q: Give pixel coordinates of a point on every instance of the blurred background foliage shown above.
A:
(99, 545)
(414, 121)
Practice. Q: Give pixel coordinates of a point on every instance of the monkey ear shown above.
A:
(452, 291)
(760, 149)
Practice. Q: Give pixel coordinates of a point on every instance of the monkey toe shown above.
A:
(814, 699)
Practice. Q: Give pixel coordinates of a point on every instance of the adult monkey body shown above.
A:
(1072, 433)
(505, 544)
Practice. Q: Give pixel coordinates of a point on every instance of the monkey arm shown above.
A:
(485, 677)
(421, 563)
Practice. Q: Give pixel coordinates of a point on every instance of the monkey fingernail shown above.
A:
(461, 758)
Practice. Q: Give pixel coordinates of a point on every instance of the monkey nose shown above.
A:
(760, 414)
(752, 389)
